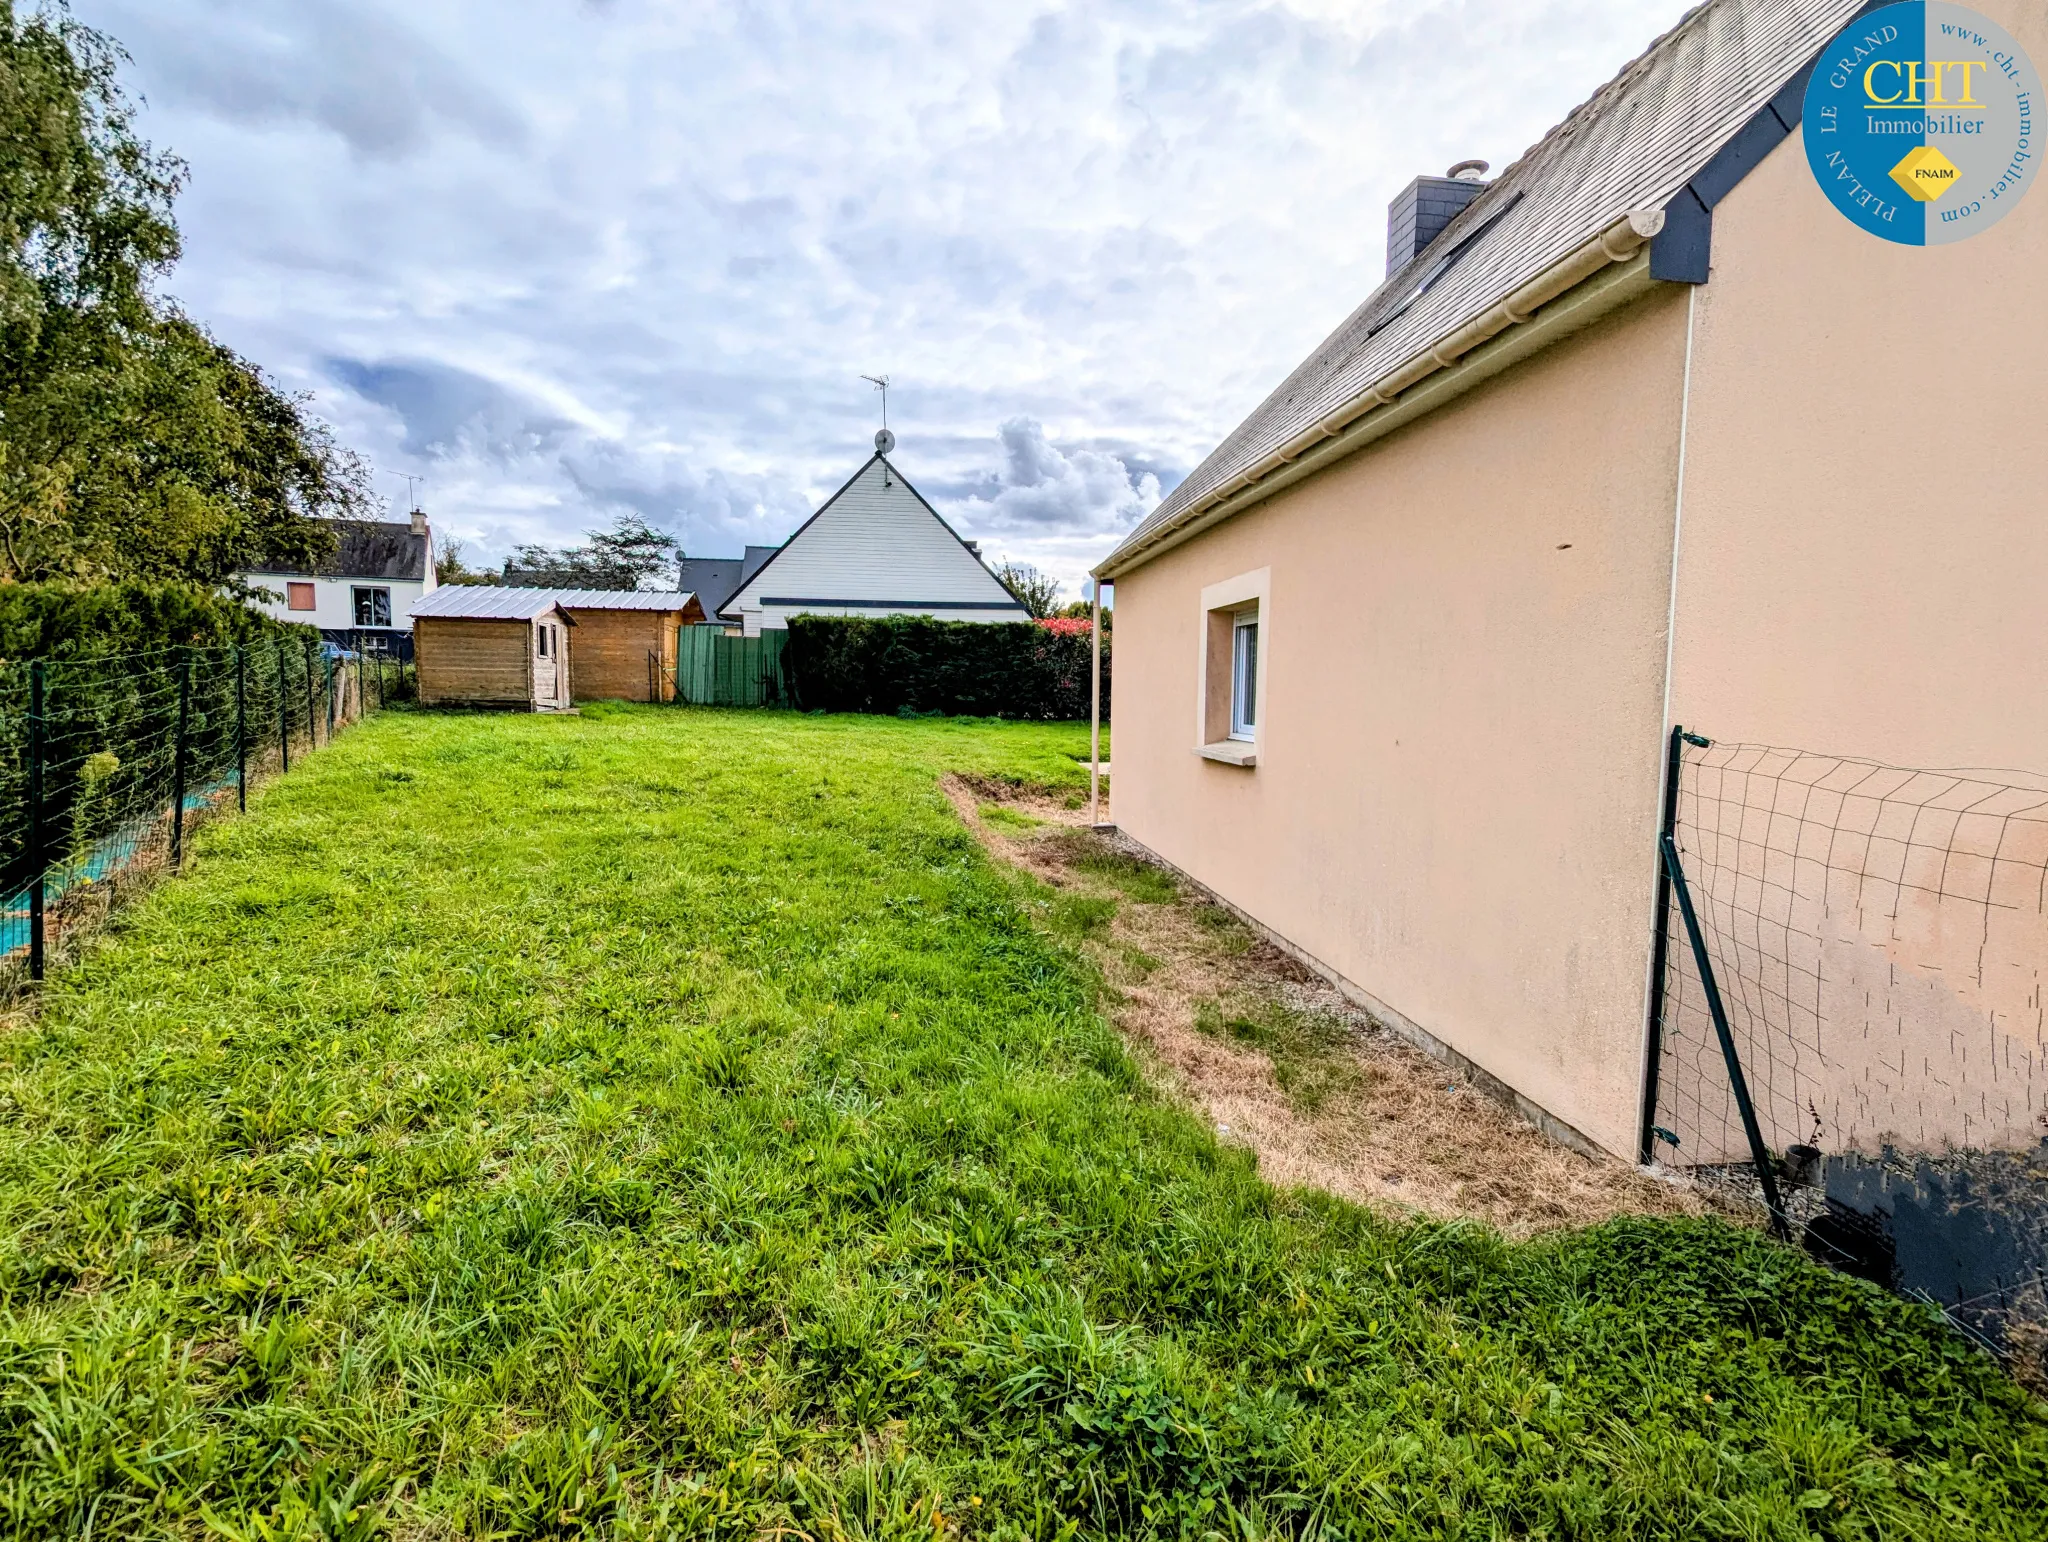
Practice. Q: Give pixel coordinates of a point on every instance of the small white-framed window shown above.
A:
(543, 639)
(1244, 676)
(1230, 688)
(372, 607)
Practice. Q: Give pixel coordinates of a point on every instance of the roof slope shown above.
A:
(485, 602)
(875, 544)
(516, 602)
(1634, 144)
(715, 580)
(622, 599)
(369, 548)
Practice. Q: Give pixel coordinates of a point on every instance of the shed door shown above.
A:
(547, 672)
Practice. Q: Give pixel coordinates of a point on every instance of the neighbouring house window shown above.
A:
(1244, 676)
(299, 596)
(373, 607)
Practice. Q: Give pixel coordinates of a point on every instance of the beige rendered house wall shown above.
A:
(1862, 573)
(1454, 801)
(1865, 553)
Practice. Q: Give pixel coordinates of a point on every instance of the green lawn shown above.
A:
(666, 1123)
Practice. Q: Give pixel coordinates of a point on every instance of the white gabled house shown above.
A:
(875, 548)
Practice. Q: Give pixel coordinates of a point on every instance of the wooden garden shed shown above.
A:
(626, 641)
(488, 647)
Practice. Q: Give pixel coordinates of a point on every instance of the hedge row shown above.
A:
(72, 620)
(908, 664)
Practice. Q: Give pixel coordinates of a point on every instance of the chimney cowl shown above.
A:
(1468, 171)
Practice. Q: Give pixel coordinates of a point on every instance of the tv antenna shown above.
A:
(884, 441)
(412, 490)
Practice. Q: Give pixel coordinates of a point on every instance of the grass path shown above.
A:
(664, 1123)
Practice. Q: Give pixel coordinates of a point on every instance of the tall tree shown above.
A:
(132, 443)
(630, 555)
(1040, 592)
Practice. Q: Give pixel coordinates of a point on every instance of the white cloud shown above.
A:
(1041, 488)
(567, 259)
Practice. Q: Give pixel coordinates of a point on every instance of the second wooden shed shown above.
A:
(487, 647)
(626, 641)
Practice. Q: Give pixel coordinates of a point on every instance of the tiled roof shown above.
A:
(371, 548)
(1634, 144)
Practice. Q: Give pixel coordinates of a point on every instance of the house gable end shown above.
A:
(875, 543)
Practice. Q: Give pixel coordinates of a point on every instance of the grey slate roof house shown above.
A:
(367, 591)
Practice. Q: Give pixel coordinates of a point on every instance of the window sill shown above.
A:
(1230, 752)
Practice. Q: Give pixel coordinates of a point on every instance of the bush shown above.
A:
(71, 620)
(908, 664)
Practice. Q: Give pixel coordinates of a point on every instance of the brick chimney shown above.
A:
(419, 521)
(1425, 206)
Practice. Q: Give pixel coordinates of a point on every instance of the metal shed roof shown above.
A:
(620, 599)
(493, 602)
(486, 602)
(1633, 145)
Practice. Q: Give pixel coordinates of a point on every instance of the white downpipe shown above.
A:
(1650, 984)
(1678, 507)
(1095, 706)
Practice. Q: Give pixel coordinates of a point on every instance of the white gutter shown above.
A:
(1361, 420)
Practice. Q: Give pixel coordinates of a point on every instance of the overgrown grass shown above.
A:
(1308, 1050)
(664, 1123)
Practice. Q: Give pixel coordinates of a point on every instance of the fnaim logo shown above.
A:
(1922, 122)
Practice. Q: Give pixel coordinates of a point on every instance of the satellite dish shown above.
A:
(885, 442)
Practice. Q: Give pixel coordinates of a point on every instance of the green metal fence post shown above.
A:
(1660, 949)
(35, 819)
(179, 756)
(312, 702)
(284, 709)
(242, 729)
(1759, 1153)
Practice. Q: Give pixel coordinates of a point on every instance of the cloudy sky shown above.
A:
(568, 258)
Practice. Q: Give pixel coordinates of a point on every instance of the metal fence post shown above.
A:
(284, 708)
(1660, 942)
(35, 819)
(1759, 1153)
(179, 757)
(312, 702)
(241, 729)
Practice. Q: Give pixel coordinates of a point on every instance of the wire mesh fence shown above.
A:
(107, 764)
(1879, 936)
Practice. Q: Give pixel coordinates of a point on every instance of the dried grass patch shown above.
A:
(1280, 1060)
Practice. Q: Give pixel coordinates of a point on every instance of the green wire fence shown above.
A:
(108, 763)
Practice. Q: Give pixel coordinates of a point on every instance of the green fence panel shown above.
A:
(714, 670)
